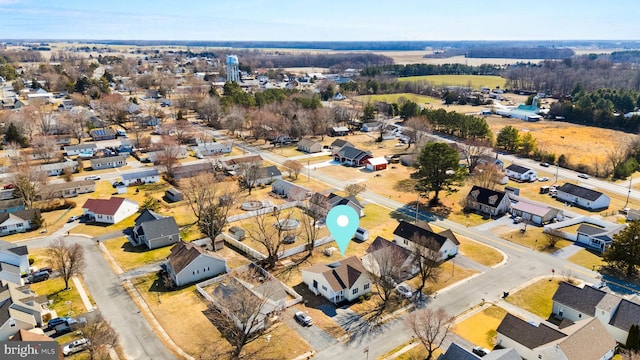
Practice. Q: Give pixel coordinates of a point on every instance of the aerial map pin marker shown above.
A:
(342, 222)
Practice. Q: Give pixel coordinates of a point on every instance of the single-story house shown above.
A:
(487, 201)
(585, 198)
(56, 169)
(372, 126)
(338, 144)
(180, 152)
(191, 170)
(174, 195)
(343, 280)
(16, 255)
(597, 237)
(109, 211)
(234, 163)
(19, 221)
(338, 131)
(456, 352)
(290, 190)
(108, 162)
(321, 204)
(538, 214)
(215, 148)
(154, 230)
(584, 340)
(267, 175)
(11, 205)
(103, 134)
(409, 235)
(521, 173)
(83, 150)
(141, 177)
(68, 189)
(376, 163)
(189, 263)
(351, 156)
(309, 146)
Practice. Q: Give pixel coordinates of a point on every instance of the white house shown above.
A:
(372, 126)
(344, 280)
(215, 148)
(141, 177)
(487, 201)
(13, 320)
(583, 197)
(110, 211)
(188, 263)
(83, 150)
(521, 173)
(309, 146)
(267, 175)
(290, 190)
(15, 255)
(409, 235)
(108, 162)
(56, 169)
(18, 222)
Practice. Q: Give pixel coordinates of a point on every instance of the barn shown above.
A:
(376, 163)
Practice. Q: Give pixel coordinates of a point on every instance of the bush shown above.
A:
(31, 261)
(367, 296)
(57, 205)
(361, 299)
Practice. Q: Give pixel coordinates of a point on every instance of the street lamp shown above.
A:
(629, 192)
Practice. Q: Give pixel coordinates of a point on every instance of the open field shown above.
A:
(536, 298)
(473, 81)
(395, 98)
(480, 329)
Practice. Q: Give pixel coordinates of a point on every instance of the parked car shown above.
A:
(583, 176)
(404, 291)
(46, 269)
(480, 351)
(545, 164)
(303, 318)
(544, 178)
(517, 220)
(75, 346)
(73, 218)
(57, 321)
(92, 177)
(39, 276)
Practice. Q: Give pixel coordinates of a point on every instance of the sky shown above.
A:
(324, 20)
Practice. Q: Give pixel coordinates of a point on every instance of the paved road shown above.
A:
(136, 336)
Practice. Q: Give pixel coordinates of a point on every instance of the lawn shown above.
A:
(479, 252)
(587, 259)
(480, 329)
(449, 274)
(536, 298)
(533, 238)
(473, 81)
(101, 229)
(129, 257)
(65, 302)
(395, 98)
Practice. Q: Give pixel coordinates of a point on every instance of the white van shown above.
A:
(362, 234)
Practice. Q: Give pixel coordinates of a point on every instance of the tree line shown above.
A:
(430, 69)
(519, 52)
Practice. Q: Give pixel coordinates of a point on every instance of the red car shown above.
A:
(8, 186)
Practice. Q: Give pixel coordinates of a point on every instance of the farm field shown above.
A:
(474, 81)
(394, 98)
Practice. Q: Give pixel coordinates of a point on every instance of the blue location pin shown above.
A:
(342, 222)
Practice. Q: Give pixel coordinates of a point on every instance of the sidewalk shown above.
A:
(83, 294)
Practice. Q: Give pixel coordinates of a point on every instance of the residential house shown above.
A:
(487, 201)
(351, 156)
(372, 126)
(321, 204)
(25, 301)
(12, 320)
(146, 176)
(409, 235)
(584, 340)
(19, 221)
(103, 134)
(309, 146)
(173, 195)
(189, 263)
(343, 280)
(235, 163)
(597, 237)
(16, 255)
(521, 173)
(338, 131)
(11, 205)
(154, 230)
(585, 198)
(267, 175)
(108, 162)
(37, 336)
(82, 150)
(191, 170)
(456, 352)
(376, 163)
(109, 211)
(338, 144)
(68, 189)
(180, 152)
(215, 148)
(535, 213)
(56, 169)
(290, 190)
(382, 249)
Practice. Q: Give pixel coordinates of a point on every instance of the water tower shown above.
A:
(233, 70)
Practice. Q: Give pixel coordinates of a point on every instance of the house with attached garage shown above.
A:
(146, 176)
(109, 211)
(583, 197)
(535, 213)
(409, 235)
(108, 162)
(338, 144)
(351, 156)
(521, 173)
(343, 280)
(19, 221)
(487, 201)
(154, 230)
(309, 146)
(189, 263)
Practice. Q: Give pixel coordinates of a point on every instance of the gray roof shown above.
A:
(80, 146)
(104, 160)
(268, 172)
(503, 354)
(307, 143)
(627, 314)
(24, 215)
(351, 152)
(583, 299)
(158, 228)
(517, 168)
(455, 352)
(485, 196)
(340, 143)
(589, 229)
(580, 191)
(335, 200)
(526, 334)
(140, 174)
(147, 215)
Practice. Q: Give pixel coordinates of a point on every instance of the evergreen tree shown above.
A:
(13, 135)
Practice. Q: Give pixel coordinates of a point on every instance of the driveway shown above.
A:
(314, 335)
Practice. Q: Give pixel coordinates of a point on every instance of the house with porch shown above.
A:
(351, 156)
(189, 263)
(343, 280)
(583, 197)
(487, 201)
(409, 235)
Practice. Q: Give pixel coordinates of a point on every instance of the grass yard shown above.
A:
(480, 329)
(449, 274)
(536, 298)
(397, 98)
(587, 259)
(473, 81)
(101, 229)
(533, 238)
(479, 252)
(65, 302)
(129, 257)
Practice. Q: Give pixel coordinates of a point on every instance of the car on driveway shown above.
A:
(583, 176)
(544, 178)
(303, 318)
(75, 346)
(404, 291)
(545, 164)
(57, 321)
(73, 218)
(480, 351)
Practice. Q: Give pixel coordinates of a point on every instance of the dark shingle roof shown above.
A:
(382, 243)
(24, 215)
(268, 172)
(335, 200)
(455, 352)
(580, 191)
(517, 168)
(589, 229)
(627, 314)
(342, 274)
(147, 215)
(340, 143)
(4, 311)
(409, 230)
(183, 253)
(526, 334)
(158, 228)
(583, 299)
(486, 196)
(350, 152)
(20, 250)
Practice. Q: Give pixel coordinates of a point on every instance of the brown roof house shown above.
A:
(37, 335)
(344, 280)
(188, 263)
(109, 211)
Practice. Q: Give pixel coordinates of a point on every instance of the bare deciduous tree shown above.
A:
(385, 266)
(294, 167)
(416, 129)
(473, 150)
(44, 148)
(66, 258)
(101, 337)
(28, 182)
(168, 154)
(210, 111)
(112, 107)
(310, 227)
(430, 327)
(487, 176)
(553, 236)
(269, 230)
(354, 189)
(210, 201)
(425, 261)
(249, 177)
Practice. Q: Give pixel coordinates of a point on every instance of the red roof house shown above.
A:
(109, 211)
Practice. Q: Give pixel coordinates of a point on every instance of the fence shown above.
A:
(300, 248)
(249, 251)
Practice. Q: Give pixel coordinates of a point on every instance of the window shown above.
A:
(366, 287)
(355, 291)
(406, 242)
(324, 288)
(193, 272)
(3, 228)
(19, 225)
